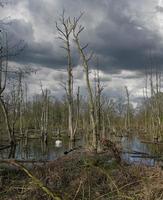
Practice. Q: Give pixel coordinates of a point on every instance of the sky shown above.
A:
(125, 35)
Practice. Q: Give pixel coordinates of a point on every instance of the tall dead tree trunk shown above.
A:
(64, 35)
(128, 120)
(85, 62)
(20, 97)
(146, 101)
(77, 110)
(44, 116)
(3, 80)
(157, 107)
(99, 90)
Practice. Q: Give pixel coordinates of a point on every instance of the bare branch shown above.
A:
(85, 46)
(62, 39)
(62, 47)
(60, 31)
(90, 56)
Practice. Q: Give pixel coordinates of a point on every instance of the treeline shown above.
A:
(46, 113)
(95, 115)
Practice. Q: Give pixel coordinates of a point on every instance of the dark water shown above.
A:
(35, 149)
(141, 153)
(134, 151)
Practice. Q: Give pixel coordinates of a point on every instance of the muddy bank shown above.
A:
(81, 175)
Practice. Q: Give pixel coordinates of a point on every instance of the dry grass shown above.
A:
(86, 177)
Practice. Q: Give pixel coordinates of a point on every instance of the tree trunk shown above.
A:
(9, 130)
(90, 93)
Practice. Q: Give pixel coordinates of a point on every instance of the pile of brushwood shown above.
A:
(82, 175)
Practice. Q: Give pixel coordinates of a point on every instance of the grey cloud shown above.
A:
(159, 9)
(121, 40)
(19, 29)
(114, 30)
(37, 53)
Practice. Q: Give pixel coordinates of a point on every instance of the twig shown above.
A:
(78, 190)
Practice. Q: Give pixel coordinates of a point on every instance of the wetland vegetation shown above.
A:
(78, 146)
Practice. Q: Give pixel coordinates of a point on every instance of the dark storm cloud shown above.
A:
(33, 52)
(18, 30)
(159, 9)
(126, 42)
(118, 38)
(40, 54)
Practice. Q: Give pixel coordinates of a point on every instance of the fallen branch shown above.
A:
(35, 180)
(151, 142)
(146, 156)
(26, 161)
(4, 147)
(81, 182)
(135, 152)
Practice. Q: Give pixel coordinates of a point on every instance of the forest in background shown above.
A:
(93, 116)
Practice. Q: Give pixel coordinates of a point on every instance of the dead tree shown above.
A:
(145, 94)
(5, 52)
(20, 101)
(14, 106)
(98, 93)
(77, 29)
(127, 118)
(157, 105)
(44, 115)
(64, 35)
(77, 110)
(3, 80)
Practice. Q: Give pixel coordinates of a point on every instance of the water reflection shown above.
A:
(139, 153)
(58, 143)
(35, 149)
(12, 151)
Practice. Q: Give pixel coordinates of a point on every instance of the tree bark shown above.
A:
(90, 93)
(9, 130)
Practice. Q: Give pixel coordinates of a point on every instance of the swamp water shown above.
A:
(133, 150)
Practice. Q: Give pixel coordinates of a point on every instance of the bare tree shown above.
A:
(3, 80)
(5, 53)
(98, 94)
(44, 115)
(77, 29)
(77, 110)
(127, 118)
(64, 35)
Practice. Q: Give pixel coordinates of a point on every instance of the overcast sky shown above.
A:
(122, 33)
